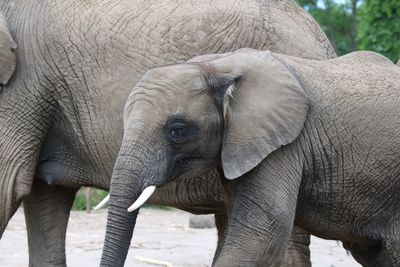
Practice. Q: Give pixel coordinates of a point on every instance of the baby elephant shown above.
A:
(304, 142)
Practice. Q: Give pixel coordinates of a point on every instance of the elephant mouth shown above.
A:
(181, 165)
(144, 196)
(180, 170)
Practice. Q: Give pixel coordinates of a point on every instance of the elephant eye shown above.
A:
(177, 132)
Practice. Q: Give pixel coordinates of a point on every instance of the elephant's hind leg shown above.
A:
(47, 210)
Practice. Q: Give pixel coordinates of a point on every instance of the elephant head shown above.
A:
(226, 111)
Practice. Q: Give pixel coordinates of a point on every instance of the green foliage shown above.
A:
(96, 196)
(359, 24)
(335, 20)
(380, 27)
(306, 3)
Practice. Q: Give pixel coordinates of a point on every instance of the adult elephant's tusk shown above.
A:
(103, 202)
(147, 192)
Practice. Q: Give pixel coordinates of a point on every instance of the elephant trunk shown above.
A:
(120, 222)
(128, 185)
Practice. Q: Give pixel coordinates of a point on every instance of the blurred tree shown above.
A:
(359, 24)
(305, 3)
(338, 19)
(353, 30)
(380, 27)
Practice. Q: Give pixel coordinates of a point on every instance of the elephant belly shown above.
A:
(350, 211)
(63, 161)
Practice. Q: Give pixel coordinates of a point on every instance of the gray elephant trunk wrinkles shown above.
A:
(126, 186)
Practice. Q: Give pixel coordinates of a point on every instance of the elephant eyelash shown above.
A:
(230, 91)
(228, 96)
(178, 116)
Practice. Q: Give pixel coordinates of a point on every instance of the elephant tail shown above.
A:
(15, 182)
(24, 125)
(23, 129)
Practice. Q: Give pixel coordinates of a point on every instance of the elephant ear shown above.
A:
(265, 108)
(398, 63)
(7, 55)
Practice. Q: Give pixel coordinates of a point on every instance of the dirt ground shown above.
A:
(162, 236)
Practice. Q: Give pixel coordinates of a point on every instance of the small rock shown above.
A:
(201, 221)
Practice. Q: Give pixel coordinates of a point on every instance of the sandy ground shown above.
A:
(160, 235)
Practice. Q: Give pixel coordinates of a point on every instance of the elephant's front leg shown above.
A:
(298, 249)
(221, 223)
(297, 252)
(47, 210)
(263, 212)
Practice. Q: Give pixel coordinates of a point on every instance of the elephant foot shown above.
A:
(298, 251)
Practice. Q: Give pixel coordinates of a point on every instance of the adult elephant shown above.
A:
(61, 112)
(315, 143)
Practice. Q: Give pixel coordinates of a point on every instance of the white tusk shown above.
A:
(103, 202)
(147, 192)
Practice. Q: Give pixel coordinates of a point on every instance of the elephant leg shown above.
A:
(221, 222)
(298, 250)
(392, 248)
(262, 215)
(47, 210)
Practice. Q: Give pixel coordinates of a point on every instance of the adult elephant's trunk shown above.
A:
(130, 179)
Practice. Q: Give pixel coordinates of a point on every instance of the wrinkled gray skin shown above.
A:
(76, 62)
(311, 142)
